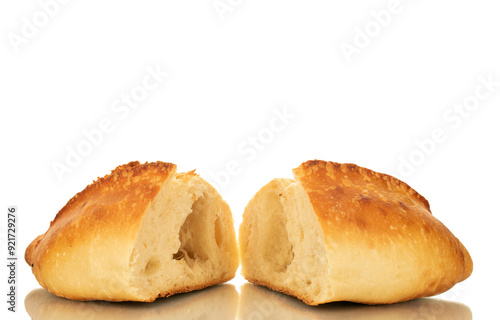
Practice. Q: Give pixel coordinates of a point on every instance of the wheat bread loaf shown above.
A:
(340, 232)
(139, 233)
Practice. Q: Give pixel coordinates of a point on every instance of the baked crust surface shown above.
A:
(376, 217)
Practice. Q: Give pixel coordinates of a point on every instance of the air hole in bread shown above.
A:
(219, 235)
(192, 235)
(277, 249)
(152, 266)
(178, 256)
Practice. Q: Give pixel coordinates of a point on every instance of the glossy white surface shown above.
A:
(223, 302)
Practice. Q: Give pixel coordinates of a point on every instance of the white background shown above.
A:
(229, 73)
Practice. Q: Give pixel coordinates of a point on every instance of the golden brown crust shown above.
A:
(132, 185)
(325, 172)
(28, 255)
(118, 201)
(118, 184)
(376, 215)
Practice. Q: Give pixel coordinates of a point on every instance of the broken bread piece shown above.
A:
(340, 232)
(139, 233)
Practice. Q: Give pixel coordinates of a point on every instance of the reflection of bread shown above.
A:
(141, 232)
(260, 303)
(217, 303)
(341, 232)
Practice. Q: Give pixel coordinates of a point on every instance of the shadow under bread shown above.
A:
(261, 303)
(217, 302)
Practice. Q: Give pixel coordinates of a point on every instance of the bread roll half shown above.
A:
(139, 233)
(340, 232)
